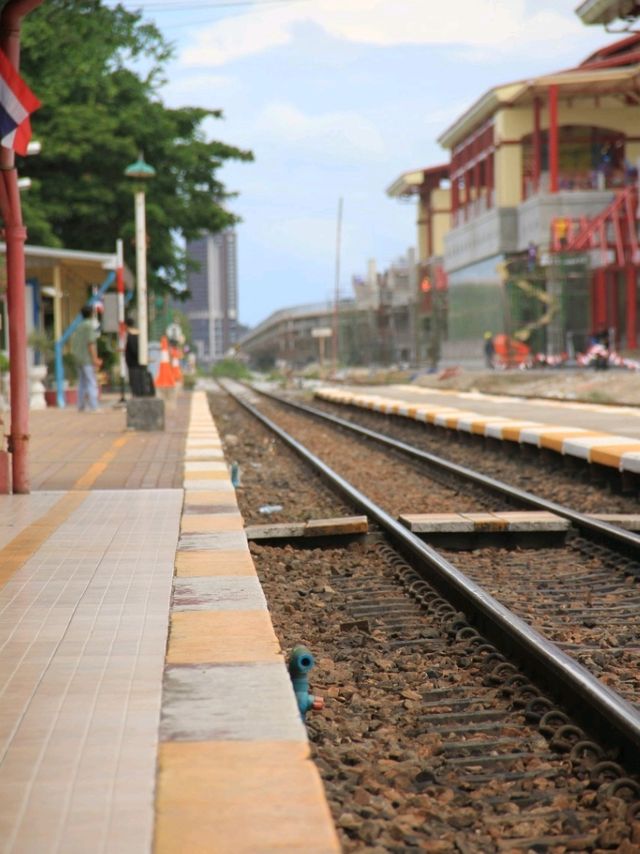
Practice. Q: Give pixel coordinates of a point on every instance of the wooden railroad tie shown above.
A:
(528, 528)
(531, 528)
(344, 526)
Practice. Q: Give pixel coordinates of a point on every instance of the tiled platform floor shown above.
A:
(144, 701)
(66, 444)
(83, 630)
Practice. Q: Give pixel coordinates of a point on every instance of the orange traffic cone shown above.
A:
(175, 365)
(165, 374)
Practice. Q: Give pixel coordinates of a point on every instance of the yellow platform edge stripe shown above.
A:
(550, 437)
(217, 795)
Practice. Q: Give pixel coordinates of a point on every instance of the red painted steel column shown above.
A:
(612, 307)
(467, 194)
(537, 145)
(553, 138)
(454, 200)
(476, 182)
(600, 299)
(632, 310)
(15, 237)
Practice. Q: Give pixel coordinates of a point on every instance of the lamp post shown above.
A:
(140, 172)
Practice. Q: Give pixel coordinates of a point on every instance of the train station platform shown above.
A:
(145, 700)
(596, 433)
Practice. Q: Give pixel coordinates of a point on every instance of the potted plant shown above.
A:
(42, 345)
(70, 365)
(44, 350)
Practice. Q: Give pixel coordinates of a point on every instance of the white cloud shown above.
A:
(343, 135)
(505, 26)
(239, 36)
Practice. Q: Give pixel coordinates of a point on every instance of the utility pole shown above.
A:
(336, 298)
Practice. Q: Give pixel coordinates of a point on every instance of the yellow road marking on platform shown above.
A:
(23, 546)
(94, 471)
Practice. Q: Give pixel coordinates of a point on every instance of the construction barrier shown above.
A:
(175, 365)
(165, 377)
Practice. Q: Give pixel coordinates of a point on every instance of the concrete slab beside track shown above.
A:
(597, 433)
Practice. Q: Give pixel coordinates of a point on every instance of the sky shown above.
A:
(336, 98)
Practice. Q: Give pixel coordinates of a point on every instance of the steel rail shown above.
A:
(605, 530)
(588, 699)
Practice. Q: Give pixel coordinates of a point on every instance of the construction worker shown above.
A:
(489, 350)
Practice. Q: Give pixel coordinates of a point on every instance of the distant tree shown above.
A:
(98, 71)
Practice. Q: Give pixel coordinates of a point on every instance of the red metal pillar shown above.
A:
(537, 145)
(15, 237)
(488, 167)
(454, 200)
(553, 138)
(476, 184)
(632, 311)
(600, 299)
(467, 194)
(612, 307)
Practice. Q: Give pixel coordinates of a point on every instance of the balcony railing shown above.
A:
(576, 181)
(475, 208)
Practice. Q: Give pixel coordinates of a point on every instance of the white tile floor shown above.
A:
(19, 511)
(83, 629)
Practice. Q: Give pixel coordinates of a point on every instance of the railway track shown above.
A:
(487, 722)
(608, 533)
(548, 474)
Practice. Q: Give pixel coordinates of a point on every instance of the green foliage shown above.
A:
(70, 366)
(107, 353)
(231, 369)
(189, 382)
(97, 69)
(42, 342)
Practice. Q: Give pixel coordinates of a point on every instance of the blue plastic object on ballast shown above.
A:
(300, 663)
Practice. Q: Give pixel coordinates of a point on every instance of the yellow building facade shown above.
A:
(528, 159)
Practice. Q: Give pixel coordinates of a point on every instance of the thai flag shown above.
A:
(17, 102)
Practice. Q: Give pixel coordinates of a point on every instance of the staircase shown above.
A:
(614, 229)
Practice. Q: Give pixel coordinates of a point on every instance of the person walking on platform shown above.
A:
(139, 377)
(85, 350)
(489, 350)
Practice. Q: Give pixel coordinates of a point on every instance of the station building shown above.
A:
(431, 189)
(58, 283)
(375, 326)
(536, 235)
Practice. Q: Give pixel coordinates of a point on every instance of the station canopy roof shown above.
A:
(612, 70)
(412, 182)
(90, 267)
(607, 11)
